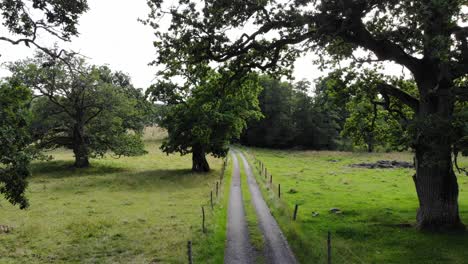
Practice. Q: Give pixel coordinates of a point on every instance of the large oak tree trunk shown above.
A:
(437, 189)
(435, 180)
(199, 162)
(80, 148)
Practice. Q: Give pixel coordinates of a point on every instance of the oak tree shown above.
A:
(88, 109)
(427, 37)
(24, 21)
(204, 118)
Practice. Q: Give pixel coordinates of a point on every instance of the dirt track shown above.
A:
(238, 248)
(277, 250)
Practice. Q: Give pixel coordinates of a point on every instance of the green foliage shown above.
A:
(292, 118)
(365, 116)
(62, 15)
(210, 116)
(59, 19)
(14, 140)
(89, 109)
(362, 32)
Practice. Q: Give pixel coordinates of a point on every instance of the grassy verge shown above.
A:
(209, 247)
(255, 234)
(377, 208)
(129, 210)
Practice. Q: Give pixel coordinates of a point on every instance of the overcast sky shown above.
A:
(110, 34)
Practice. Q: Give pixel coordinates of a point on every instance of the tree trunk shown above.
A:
(437, 189)
(199, 162)
(435, 180)
(80, 148)
(370, 147)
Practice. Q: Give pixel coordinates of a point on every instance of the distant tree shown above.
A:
(57, 19)
(204, 118)
(425, 37)
(366, 118)
(292, 118)
(276, 129)
(15, 139)
(88, 109)
(316, 126)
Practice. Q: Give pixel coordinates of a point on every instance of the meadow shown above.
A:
(145, 209)
(127, 210)
(377, 208)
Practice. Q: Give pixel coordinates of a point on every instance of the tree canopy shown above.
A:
(86, 108)
(293, 118)
(204, 118)
(15, 138)
(27, 19)
(364, 117)
(425, 37)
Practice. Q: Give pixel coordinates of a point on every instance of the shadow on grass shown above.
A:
(161, 178)
(104, 177)
(64, 169)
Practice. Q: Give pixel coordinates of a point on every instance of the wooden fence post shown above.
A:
(295, 212)
(329, 250)
(189, 252)
(203, 223)
(211, 199)
(279, 190)
(271, 180)
(217, 189)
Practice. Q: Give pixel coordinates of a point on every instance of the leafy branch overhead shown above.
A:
(26, 20)
(389, 30)
(428, 38)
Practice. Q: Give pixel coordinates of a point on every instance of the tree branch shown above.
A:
(94, 115)
(384, 49)
(407, 99)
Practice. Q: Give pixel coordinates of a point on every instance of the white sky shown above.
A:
(110, 34)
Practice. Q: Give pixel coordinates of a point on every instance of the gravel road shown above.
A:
(238, 248)
(277, 250)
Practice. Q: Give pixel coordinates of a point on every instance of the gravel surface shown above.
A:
(277, 250)
(238, 248)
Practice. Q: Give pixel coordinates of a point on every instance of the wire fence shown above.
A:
(327, 253)
(214, 198)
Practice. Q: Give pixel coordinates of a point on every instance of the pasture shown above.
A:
(128, 210)
(377, 208)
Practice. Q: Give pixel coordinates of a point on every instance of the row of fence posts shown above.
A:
(263, 171)
(217, 187)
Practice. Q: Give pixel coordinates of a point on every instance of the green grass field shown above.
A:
(377, 207)
(145, 209)
(128, 210)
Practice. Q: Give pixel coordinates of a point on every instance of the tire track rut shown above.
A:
(238, 247)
